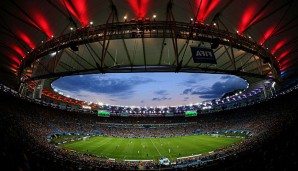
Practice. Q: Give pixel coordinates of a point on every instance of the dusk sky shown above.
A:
(148, 89)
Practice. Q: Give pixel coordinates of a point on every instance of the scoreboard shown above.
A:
(103, 113)
(190, 113)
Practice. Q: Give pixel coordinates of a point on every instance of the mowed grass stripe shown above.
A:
(90, 145)
(150, 148)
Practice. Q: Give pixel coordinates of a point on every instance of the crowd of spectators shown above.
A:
(24, 127)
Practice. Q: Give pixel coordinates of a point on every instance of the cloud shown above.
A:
(147, 89)
(161, 92)
(218, 89)
(187, 91)
(195, 79)
(190, 82)
(160, 98)
(224, 77)
(124, 95)
(101, 84)
(209, 96)
(81, 95)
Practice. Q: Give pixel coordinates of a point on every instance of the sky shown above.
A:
(148, 89)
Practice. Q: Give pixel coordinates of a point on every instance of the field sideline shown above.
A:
(149, 148)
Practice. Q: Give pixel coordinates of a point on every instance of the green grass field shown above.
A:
(138, 148)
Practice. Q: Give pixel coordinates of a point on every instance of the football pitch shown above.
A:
(149, 148)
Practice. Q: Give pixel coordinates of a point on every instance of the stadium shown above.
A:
(148, 85)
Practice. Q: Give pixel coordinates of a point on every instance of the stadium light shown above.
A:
(53, 54)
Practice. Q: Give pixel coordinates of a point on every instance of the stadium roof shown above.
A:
(48, 39)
